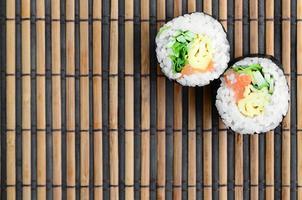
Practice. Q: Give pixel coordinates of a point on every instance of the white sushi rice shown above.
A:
(274, 111)
(198, 23)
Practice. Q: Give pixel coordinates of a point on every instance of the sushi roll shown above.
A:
(192, 49)
(253, 96)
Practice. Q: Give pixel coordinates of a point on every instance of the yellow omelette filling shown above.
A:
(254, 101)
(200, 52)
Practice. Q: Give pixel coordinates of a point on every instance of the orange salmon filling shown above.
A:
(240, 81)
(188, 69)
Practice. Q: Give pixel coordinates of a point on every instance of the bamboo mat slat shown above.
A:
(269, 148)
(10, 101)
(145, 102)
(254, 139)
(40, 99)
(286, 53)
(177, 140)
(207, 127)
(161, 117)
(56, 100)
(86, 112)
(26, 99)
(97, 100)
(192, 144)
(113, 101)
(238, 138)
(129, 99)
(84, 101)
(192, 152)
(222, 133)
(70, 101)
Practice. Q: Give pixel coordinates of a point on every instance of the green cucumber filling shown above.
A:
(259, 79)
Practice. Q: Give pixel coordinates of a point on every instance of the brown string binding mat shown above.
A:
(87, 112)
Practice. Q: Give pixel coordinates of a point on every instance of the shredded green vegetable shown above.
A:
(247, 69)
(179, 44)
(259, 80)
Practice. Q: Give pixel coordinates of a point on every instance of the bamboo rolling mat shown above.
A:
(86, 112)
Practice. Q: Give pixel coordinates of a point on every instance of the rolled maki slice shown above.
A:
(192, 49)
(253, 96)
